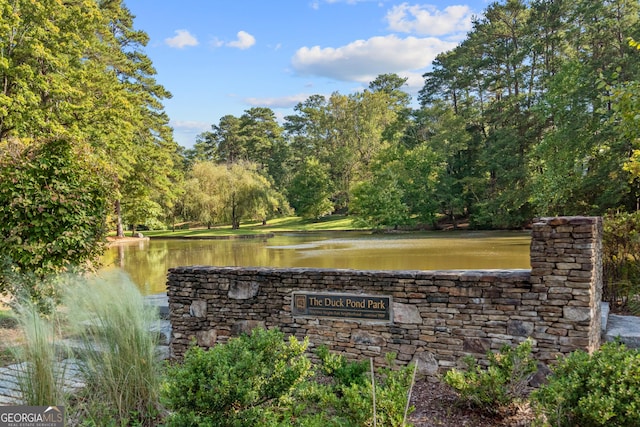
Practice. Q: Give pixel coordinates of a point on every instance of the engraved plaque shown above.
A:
(350, 306)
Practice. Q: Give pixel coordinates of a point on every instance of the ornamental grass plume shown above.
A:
(40, 376)
(120, 363)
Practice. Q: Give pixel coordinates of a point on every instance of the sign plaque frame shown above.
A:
(363, 307)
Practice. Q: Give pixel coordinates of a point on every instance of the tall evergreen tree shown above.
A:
(76, 69)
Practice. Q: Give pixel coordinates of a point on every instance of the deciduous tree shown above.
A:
(53, 205)
(310, 190)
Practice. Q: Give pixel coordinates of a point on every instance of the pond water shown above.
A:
(147, 262)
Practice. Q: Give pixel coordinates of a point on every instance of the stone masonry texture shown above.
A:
(438, 316)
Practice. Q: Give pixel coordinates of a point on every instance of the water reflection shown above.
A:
(147, 262)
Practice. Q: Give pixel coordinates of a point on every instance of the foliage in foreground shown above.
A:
(258, 380)
(231, 384)
(341, 395)
(593, 390)
(120, 365)
(41, 377)
(353, 391)
(343, 372)
(501, 383)
(117, 353)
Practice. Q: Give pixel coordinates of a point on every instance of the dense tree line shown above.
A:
(528, 83)
(83, 135)
(534, 113)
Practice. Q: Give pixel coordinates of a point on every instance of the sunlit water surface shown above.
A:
(147, 262)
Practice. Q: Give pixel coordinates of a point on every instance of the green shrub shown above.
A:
(53, 206)
(392, 386)
(235, 383)
(340, 369)
(348, 401)
(314, 404)
(241, 384)
(503, 381)
(593, 390)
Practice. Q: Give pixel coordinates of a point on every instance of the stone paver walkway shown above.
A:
(9, 380)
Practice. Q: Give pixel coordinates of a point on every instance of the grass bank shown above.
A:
(332, 223)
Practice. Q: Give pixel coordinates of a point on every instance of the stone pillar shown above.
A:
(566, 273)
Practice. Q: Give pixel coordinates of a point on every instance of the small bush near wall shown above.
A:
(232, 384)
(390, 389)
(501, 383)
(593, 390)
(340, 369)
(261, 380)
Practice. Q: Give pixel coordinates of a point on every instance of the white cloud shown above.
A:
(364, 60)
(182, 38)
(280, 102)
(185, 132)
(215, 42)
(415, 81)
(428, 20)
(244, 41)
(190, 126)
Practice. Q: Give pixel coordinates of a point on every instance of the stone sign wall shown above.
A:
(434, 316)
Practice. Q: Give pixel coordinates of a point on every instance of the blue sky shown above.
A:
(221, 57)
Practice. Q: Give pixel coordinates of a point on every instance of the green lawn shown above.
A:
(334, 222)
